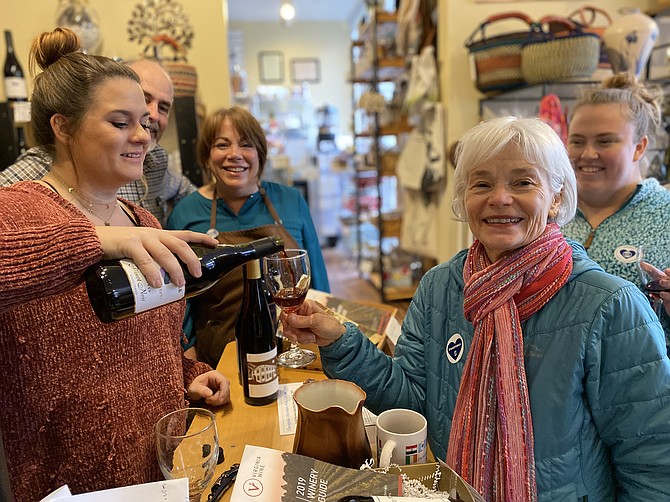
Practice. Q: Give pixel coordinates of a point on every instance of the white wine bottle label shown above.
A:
(147, 297)
(262, 373)
(15, 88)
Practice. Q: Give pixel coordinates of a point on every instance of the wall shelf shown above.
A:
(375, 192)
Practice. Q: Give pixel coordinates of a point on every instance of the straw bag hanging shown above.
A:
(563, 55)
(585, 17)
(497, 59)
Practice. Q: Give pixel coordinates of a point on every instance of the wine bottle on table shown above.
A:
(117, 289)
(16, 88)
(256, 341)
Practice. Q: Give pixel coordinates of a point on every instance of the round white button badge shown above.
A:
(454, 348)
(626, 254)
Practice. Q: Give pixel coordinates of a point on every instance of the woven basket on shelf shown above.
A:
(564, 55)
(497, 59)
(586, 18)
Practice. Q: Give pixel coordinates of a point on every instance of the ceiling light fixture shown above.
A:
(287, 11)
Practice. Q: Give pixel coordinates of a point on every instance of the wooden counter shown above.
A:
(240, 424)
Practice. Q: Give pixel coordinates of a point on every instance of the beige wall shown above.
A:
(457, 20)
(209, 51)
(328, 41)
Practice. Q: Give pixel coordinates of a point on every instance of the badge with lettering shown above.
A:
(626, 254)
(455, 348)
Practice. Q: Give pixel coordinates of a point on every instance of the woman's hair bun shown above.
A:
(50, 46)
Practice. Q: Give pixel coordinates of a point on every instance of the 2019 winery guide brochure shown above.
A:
(275, 476)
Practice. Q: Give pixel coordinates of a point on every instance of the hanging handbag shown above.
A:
(560, 55)
(586, 18)
(497, 59)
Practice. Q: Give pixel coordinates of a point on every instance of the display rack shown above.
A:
(376, 212)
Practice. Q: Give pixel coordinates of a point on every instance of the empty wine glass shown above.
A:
(187, 445)
(287, 275)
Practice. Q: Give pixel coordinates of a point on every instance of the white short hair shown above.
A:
(540, 145)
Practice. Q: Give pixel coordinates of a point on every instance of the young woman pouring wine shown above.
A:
(80, 398)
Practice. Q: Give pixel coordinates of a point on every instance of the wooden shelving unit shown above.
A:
(371, 68)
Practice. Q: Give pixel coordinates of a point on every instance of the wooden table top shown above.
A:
(240, 424)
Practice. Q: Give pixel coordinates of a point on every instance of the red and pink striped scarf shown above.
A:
(491, 440)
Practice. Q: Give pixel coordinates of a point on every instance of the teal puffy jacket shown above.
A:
(597, 371)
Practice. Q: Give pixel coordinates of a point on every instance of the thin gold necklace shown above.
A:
(86, 203)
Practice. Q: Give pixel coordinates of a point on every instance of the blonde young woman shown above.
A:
(618, 210)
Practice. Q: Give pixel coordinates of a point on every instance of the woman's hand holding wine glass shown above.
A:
(656, 283)
(287, 275)
(313, 323)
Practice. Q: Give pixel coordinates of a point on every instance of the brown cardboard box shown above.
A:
(449, 480)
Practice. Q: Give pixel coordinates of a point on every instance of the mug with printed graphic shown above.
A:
(401, 437)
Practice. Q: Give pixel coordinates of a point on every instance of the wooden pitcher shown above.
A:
(330, 423)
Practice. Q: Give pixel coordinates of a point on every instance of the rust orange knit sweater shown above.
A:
(79, 398)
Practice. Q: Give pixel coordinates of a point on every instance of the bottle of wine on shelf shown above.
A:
(16, 88)
(117, 289)
(256, 341)
(15, 80)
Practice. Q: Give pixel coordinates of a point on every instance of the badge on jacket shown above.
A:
(626, 254)
(455, 348)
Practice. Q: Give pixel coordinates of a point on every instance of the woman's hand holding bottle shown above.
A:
(152, 249)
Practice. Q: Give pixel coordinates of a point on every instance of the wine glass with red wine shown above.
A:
(650, 285)
(287, 275)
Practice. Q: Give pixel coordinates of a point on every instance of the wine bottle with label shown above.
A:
(16, 89)
(15, 80)
(117, 289)
(256, 341)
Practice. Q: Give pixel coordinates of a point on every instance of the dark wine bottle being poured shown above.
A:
(117, 289)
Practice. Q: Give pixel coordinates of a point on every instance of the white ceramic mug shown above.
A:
(401, 437)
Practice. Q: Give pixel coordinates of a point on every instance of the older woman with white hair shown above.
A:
(541, 376)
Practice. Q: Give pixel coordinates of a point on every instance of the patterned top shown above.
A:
(157, 187)
(643, 221)
(80, 398)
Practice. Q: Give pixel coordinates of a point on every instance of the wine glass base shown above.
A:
(296, 358)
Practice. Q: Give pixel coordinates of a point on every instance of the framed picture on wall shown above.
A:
(271, 67)
(305, 70)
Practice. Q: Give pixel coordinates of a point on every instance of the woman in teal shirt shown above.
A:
(236, 206)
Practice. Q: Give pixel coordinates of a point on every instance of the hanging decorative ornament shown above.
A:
(629, 41)
(164, 29)
(76, 15)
